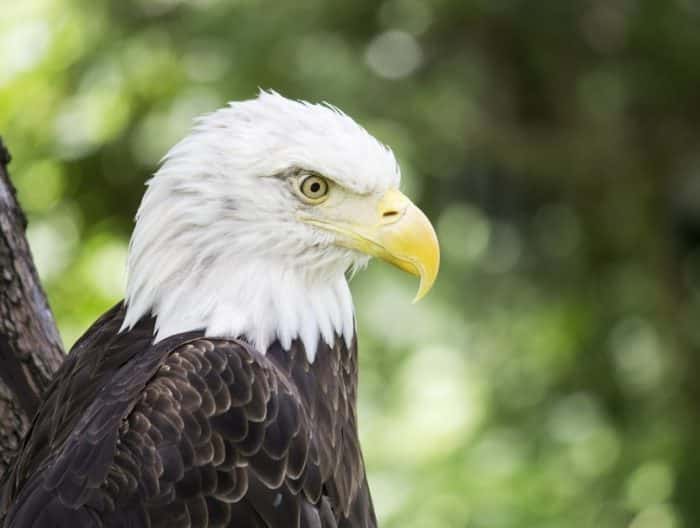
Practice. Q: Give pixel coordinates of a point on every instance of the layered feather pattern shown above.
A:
(193, 432)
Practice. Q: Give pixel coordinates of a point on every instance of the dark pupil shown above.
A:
(315, 187)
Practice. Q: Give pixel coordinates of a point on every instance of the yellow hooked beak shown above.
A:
(397, 232)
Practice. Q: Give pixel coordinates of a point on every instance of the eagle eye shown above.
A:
(313, 188)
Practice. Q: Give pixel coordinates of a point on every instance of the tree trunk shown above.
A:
(30, 346)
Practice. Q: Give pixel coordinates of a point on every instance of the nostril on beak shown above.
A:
(391, 215)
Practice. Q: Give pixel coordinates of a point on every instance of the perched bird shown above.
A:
(222, 391)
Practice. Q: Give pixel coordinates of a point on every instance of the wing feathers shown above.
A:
(198, 432)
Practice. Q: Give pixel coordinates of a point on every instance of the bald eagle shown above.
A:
(222, 390)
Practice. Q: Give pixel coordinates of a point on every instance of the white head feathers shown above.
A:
(217, 245)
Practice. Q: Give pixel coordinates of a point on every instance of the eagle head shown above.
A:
(253, 221)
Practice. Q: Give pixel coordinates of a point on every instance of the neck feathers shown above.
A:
(255, 300)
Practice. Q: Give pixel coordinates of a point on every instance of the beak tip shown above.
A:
(426, 283)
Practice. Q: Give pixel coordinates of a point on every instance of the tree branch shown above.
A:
(30, 346)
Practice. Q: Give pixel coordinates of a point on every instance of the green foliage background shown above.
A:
(551, 378)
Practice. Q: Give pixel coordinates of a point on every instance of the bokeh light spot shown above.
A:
(637, 353)
(464, 233)
(394, 54)
(657, 516)
(651, 483)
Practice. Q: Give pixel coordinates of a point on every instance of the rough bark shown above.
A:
(30, 346)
